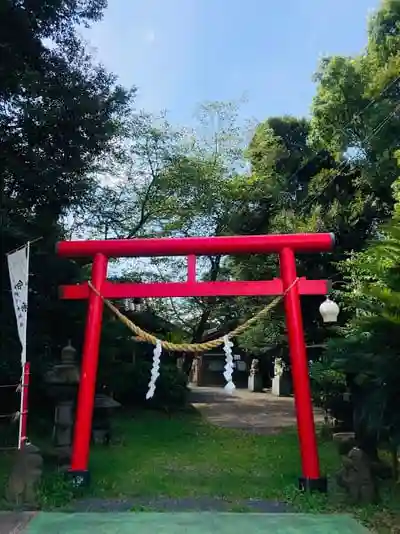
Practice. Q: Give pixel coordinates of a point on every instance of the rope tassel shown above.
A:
(155, 370)
(229, 386)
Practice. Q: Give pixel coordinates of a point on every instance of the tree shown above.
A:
(24, 27)
(200, 186)
(334, 173)
(285, 174)
(129, 199)
(356, 110)
(175, 182)
(59, 114)
(368, 351)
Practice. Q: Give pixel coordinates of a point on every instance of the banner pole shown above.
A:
(26, 367)
(23, 418)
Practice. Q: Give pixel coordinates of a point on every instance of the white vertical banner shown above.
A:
(18, 267)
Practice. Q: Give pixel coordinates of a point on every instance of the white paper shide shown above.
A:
(18, 267)
(229, 386)
(155, 370)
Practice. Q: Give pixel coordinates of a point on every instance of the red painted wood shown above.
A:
(90, 357)
(23, 424)
(191, 266)
(207, 246)
(112, 290)
(299, 368)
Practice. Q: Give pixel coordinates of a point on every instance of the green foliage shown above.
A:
(327, 383)
(55, 491)
(329, 392)
(356, 109)
(59, 114)
(332, 174)
(129, 384)
(384, 30)
(369, 349)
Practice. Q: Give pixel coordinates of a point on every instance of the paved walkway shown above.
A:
(260, 413)
(176, 523)
(192, 523)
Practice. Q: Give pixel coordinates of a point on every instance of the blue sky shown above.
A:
(183, 52)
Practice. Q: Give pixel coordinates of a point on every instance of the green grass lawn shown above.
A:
(183, 456)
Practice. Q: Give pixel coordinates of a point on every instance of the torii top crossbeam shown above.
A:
(198, 246)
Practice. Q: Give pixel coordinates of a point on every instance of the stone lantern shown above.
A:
(62, 382)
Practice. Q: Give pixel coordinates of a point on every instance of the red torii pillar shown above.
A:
(285, 245)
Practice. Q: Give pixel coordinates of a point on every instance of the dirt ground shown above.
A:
(260, 413)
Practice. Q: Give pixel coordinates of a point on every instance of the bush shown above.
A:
(328, 388)
(129, 384)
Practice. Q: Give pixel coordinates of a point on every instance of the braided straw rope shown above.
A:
(190, 347)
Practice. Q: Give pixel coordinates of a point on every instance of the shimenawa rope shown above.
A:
(190, 347)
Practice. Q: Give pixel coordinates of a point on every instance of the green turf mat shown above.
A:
(192, 523)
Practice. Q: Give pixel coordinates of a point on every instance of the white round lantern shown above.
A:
(329, 311)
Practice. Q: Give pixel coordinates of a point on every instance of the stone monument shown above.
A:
(357, 478)
(255, 378)
(280, 381)
(25, 475)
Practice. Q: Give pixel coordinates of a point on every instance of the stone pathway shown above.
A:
(184, 504)
(260, 413)
(14, 522)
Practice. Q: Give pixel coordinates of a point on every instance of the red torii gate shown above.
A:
(285, 245)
